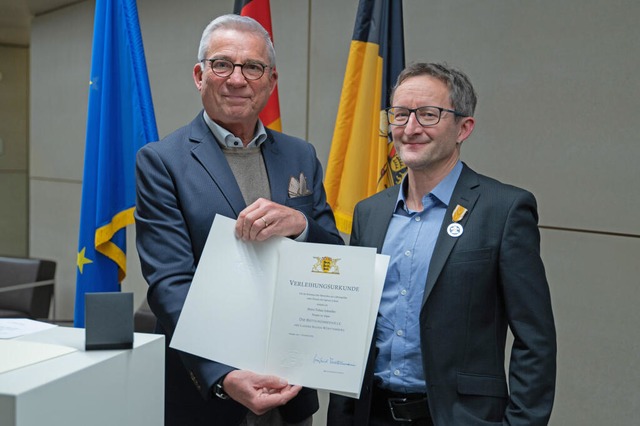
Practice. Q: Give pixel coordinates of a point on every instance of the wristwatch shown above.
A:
(218, 390)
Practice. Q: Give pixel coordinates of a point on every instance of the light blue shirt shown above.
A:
(410, 241)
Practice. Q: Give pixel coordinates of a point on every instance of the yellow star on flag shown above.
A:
(82, 260)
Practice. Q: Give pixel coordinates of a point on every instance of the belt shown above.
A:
(402, 407)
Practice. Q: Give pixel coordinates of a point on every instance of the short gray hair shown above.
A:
(461, 92)
(240, 23)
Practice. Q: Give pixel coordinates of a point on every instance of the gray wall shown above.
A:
(14, 115)
(558, 93)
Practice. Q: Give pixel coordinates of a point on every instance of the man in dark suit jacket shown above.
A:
(465, 265)
(225, 162)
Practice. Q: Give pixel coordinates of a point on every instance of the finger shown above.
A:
(264, 220)
(259, 393)
(269, 381)
(267, 228)
(249, 223)
(238, 227)
(267, 402)
(244, 224)
(241, 224)
(268, 398)
(259, 225)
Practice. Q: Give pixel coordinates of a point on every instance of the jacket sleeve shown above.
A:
(532, 368)
(166, 256)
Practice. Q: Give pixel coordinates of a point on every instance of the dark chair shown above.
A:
(26, 287)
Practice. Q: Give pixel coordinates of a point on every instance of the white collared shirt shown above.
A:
(226, 139)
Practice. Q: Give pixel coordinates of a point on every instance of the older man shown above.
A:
(225, 162)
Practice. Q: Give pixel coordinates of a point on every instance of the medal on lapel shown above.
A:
(455, 229)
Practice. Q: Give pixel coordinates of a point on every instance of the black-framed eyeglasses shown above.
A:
(426, 115)
(251, 70)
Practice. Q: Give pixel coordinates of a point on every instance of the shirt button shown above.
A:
(403, 292)
(400, 333)
(396, 372)
(407, 253)
(417, 218)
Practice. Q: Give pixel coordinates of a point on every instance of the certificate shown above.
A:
(302, 311)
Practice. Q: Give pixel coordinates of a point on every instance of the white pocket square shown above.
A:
(298, 188)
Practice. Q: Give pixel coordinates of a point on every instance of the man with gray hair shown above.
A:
(225, 162)
(465, 265)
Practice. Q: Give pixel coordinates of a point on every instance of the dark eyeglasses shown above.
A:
(426, 115)
(223, 68)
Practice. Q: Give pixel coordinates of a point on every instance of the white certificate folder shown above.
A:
(302, 311)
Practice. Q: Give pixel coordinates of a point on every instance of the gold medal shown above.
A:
(458, 213)
(455, 229)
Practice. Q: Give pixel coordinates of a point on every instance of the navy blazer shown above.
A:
(489, 278)
(183, 181)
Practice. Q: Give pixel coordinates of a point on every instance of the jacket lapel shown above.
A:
(208, 153)
(465, 194)
(380, 223)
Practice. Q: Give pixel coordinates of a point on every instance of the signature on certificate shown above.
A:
(319, 359)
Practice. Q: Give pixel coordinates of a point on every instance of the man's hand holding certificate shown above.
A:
(302, 311)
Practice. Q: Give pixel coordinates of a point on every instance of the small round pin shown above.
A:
(455, 230)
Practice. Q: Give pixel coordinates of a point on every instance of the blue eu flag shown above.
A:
(120, 120)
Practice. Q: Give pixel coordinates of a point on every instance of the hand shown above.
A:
(257, 392)
(264, 218)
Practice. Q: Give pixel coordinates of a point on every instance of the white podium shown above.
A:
(97, 388)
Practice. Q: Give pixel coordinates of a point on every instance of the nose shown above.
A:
(236, 76)
(412, 125)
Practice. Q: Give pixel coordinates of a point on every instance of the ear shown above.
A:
(197, 75)
(273, 78)
(465, 128)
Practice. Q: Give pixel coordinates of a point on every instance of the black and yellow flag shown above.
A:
(362, 160)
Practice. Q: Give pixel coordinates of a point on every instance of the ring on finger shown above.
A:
(265, 221)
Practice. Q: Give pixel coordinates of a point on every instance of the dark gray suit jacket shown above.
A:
(183, 181)
(489, 278)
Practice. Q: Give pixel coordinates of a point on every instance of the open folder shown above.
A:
(302, 311)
